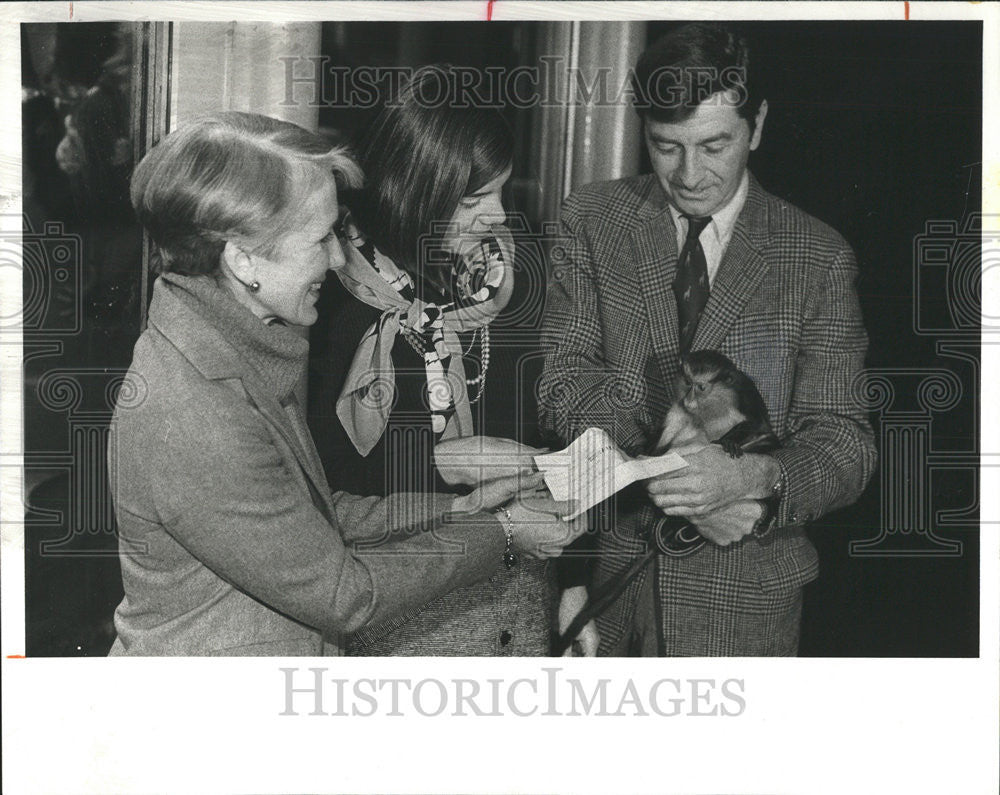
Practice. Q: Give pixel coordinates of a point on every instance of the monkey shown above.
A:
(716, 402)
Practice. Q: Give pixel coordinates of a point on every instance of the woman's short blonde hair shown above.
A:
(238, 177)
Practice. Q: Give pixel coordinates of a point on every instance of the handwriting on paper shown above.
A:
(592, 468)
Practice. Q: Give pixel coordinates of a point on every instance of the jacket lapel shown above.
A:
(740, 273)
(303, 448)
(654, 248)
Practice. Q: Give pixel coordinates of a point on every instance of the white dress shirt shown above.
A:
(714, 237)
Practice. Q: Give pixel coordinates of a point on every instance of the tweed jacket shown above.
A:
(782, 306)
(231, 542)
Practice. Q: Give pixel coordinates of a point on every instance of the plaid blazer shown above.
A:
(783, 307)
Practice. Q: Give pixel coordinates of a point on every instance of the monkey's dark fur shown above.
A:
(716, 402)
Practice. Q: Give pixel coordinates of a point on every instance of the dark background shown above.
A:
(875, 128)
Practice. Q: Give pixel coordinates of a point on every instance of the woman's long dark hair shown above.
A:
(428, 147)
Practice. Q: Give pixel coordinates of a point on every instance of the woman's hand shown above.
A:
(471, 460)
(494, 493)
(538, 529)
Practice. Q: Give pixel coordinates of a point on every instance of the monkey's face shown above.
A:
(705, 395)
(696, 389)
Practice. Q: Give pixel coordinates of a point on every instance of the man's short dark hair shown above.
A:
(689, 64)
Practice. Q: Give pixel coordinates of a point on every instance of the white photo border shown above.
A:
(807, 725)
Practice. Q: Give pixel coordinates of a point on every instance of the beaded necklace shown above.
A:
(484, 364)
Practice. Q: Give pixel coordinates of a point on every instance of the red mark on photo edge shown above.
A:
(489, 10)
(70, 10)
(15, 657)
(906, 10)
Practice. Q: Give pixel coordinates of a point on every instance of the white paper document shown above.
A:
(593, 468)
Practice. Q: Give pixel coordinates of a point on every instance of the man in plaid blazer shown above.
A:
(781, 304)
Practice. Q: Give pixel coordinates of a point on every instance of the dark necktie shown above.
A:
(691, 282)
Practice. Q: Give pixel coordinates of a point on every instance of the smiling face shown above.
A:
(700, 161)
(290, 277)
(476, 213)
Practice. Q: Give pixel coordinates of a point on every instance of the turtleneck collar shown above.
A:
(203, 319)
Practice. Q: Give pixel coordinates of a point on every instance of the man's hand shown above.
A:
(728, 525)
(572, 601)
(712, 480)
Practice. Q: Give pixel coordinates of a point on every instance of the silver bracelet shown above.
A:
(509, 557)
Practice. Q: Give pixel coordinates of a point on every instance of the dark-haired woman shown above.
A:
(429, 268)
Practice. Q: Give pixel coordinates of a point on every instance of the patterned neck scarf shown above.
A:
(483, 282)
